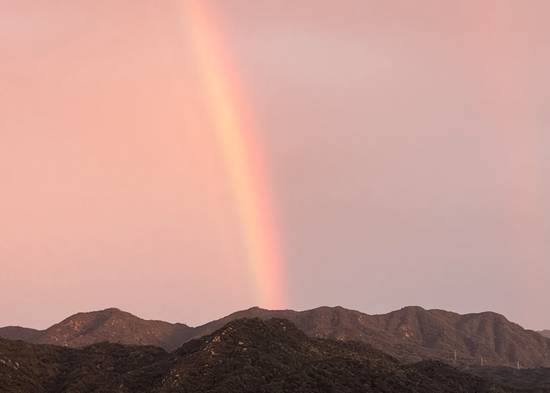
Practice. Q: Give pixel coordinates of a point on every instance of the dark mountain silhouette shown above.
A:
(545, 333)
(247, 355)
(410, 334)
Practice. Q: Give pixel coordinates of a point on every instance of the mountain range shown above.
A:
(411, 334)
(244, 355)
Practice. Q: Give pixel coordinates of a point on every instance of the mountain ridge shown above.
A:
(245, 355)
(410, 334)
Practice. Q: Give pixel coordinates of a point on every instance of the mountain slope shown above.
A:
(243, 356)
(474, 336)
(410, 334)
(545, 333)
(522, 379)
(18, 333)
(114, 326)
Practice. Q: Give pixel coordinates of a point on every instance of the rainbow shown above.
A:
(241, 152)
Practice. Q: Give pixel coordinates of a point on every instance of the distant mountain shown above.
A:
(413, 334)
(545, 333)
(114, 326)
(18, 333)
(243, 356)
(410, 334)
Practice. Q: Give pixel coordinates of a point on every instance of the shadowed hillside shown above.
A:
(413, 334)
(533, 378)
(248, 355)
(410, 334)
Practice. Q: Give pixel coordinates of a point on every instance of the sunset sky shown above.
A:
(183, 159)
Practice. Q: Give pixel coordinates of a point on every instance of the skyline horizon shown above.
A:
(203, 322)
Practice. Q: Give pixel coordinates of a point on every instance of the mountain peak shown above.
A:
(410, 334)
(113, 310)
(242, 331)
(413, 309)
(115, 326)
(245, 355)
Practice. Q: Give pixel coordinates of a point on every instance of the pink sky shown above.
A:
(407, 144)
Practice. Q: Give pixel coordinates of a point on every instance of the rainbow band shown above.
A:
(241, 152)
